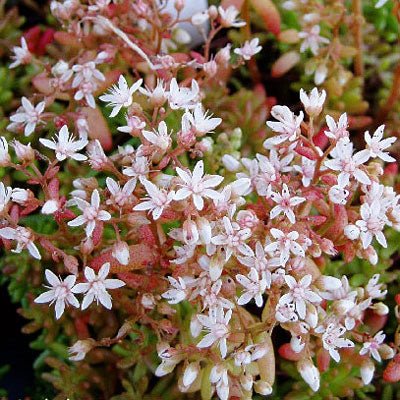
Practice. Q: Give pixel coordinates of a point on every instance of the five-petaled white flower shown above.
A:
(182, 97)
(337, 130)
(21, 55)
(60, 292)
(28, 115)
(254, 287)
(160, 138)
(217, 323)
(307, 169)
(288, 126)
(233, 239)
(121, 95)
(91, 213)
(331, 339)
(300, 294)
(372, 223)
(23, 237)
(285, 244)
(312, 40)
(201, 121)
(376, 145)
(66, 146)
(96, 287)
(119, 196)
(228, 17)
(197, 186)
(157, 201)
(348, 165)
(249, 49)
(180, 289)
(285, 204)
(372, 346)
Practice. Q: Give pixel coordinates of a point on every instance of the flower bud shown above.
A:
(320, 74)
(380, 308)
(262, 387)
(246, 380)
(210, 68)
(309, 373)
(81, 348)
(71, 264)
(179, 5)
(190, 374)
(367, 371)
(386, 351)
(25, 153)
(213, 12)
(230, 163)
(224, 55)
(352, 232)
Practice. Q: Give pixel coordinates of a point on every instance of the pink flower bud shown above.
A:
(309, 373)
(367, 371)
(179, 5)
(24, 152)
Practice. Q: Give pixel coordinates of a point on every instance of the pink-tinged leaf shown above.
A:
(98, 128)
(68, 39)
(269, 13)
(392, 371)
(323, 360)
(98, 233)
(236, 3)
(286, 351)
(285, 63)
(305, 151)
(42, 83)
(54, 185)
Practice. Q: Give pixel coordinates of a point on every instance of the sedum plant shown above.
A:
(165, 244)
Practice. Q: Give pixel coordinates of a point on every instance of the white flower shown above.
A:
(119, 196)
(86, 90)
(197, 186)
(254, 287)
(160, 138)
(313, 104)
(373, 288)
(285, 203)
(60, 292)
(139, 168)
(97, 159)
(182, 97)
(158, 95)
(375, 145)
(201, 121)
(372, 222)
(347, 164)
(217, 323)
(96, 287)
(4, 156)
(28, 115)
(133, 125)
(5, 196)
(180, 289)
(307, 169)
(66, 146)
(331, 339)
(219, 377)
(19, 196)
(80, 348)
(85, 73)
(285, 244)
(229, 16)
(288, 126)
(121, 95)
(169, 358)
(120, 252)
(190, 373)
(91, 213)
(24, 239)
(337, 130)
(157, 201)
(300, 294)
(249, 49)
(233, 239)
(21, 55)
(286, 312)
(372, 346)
(312, 40)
